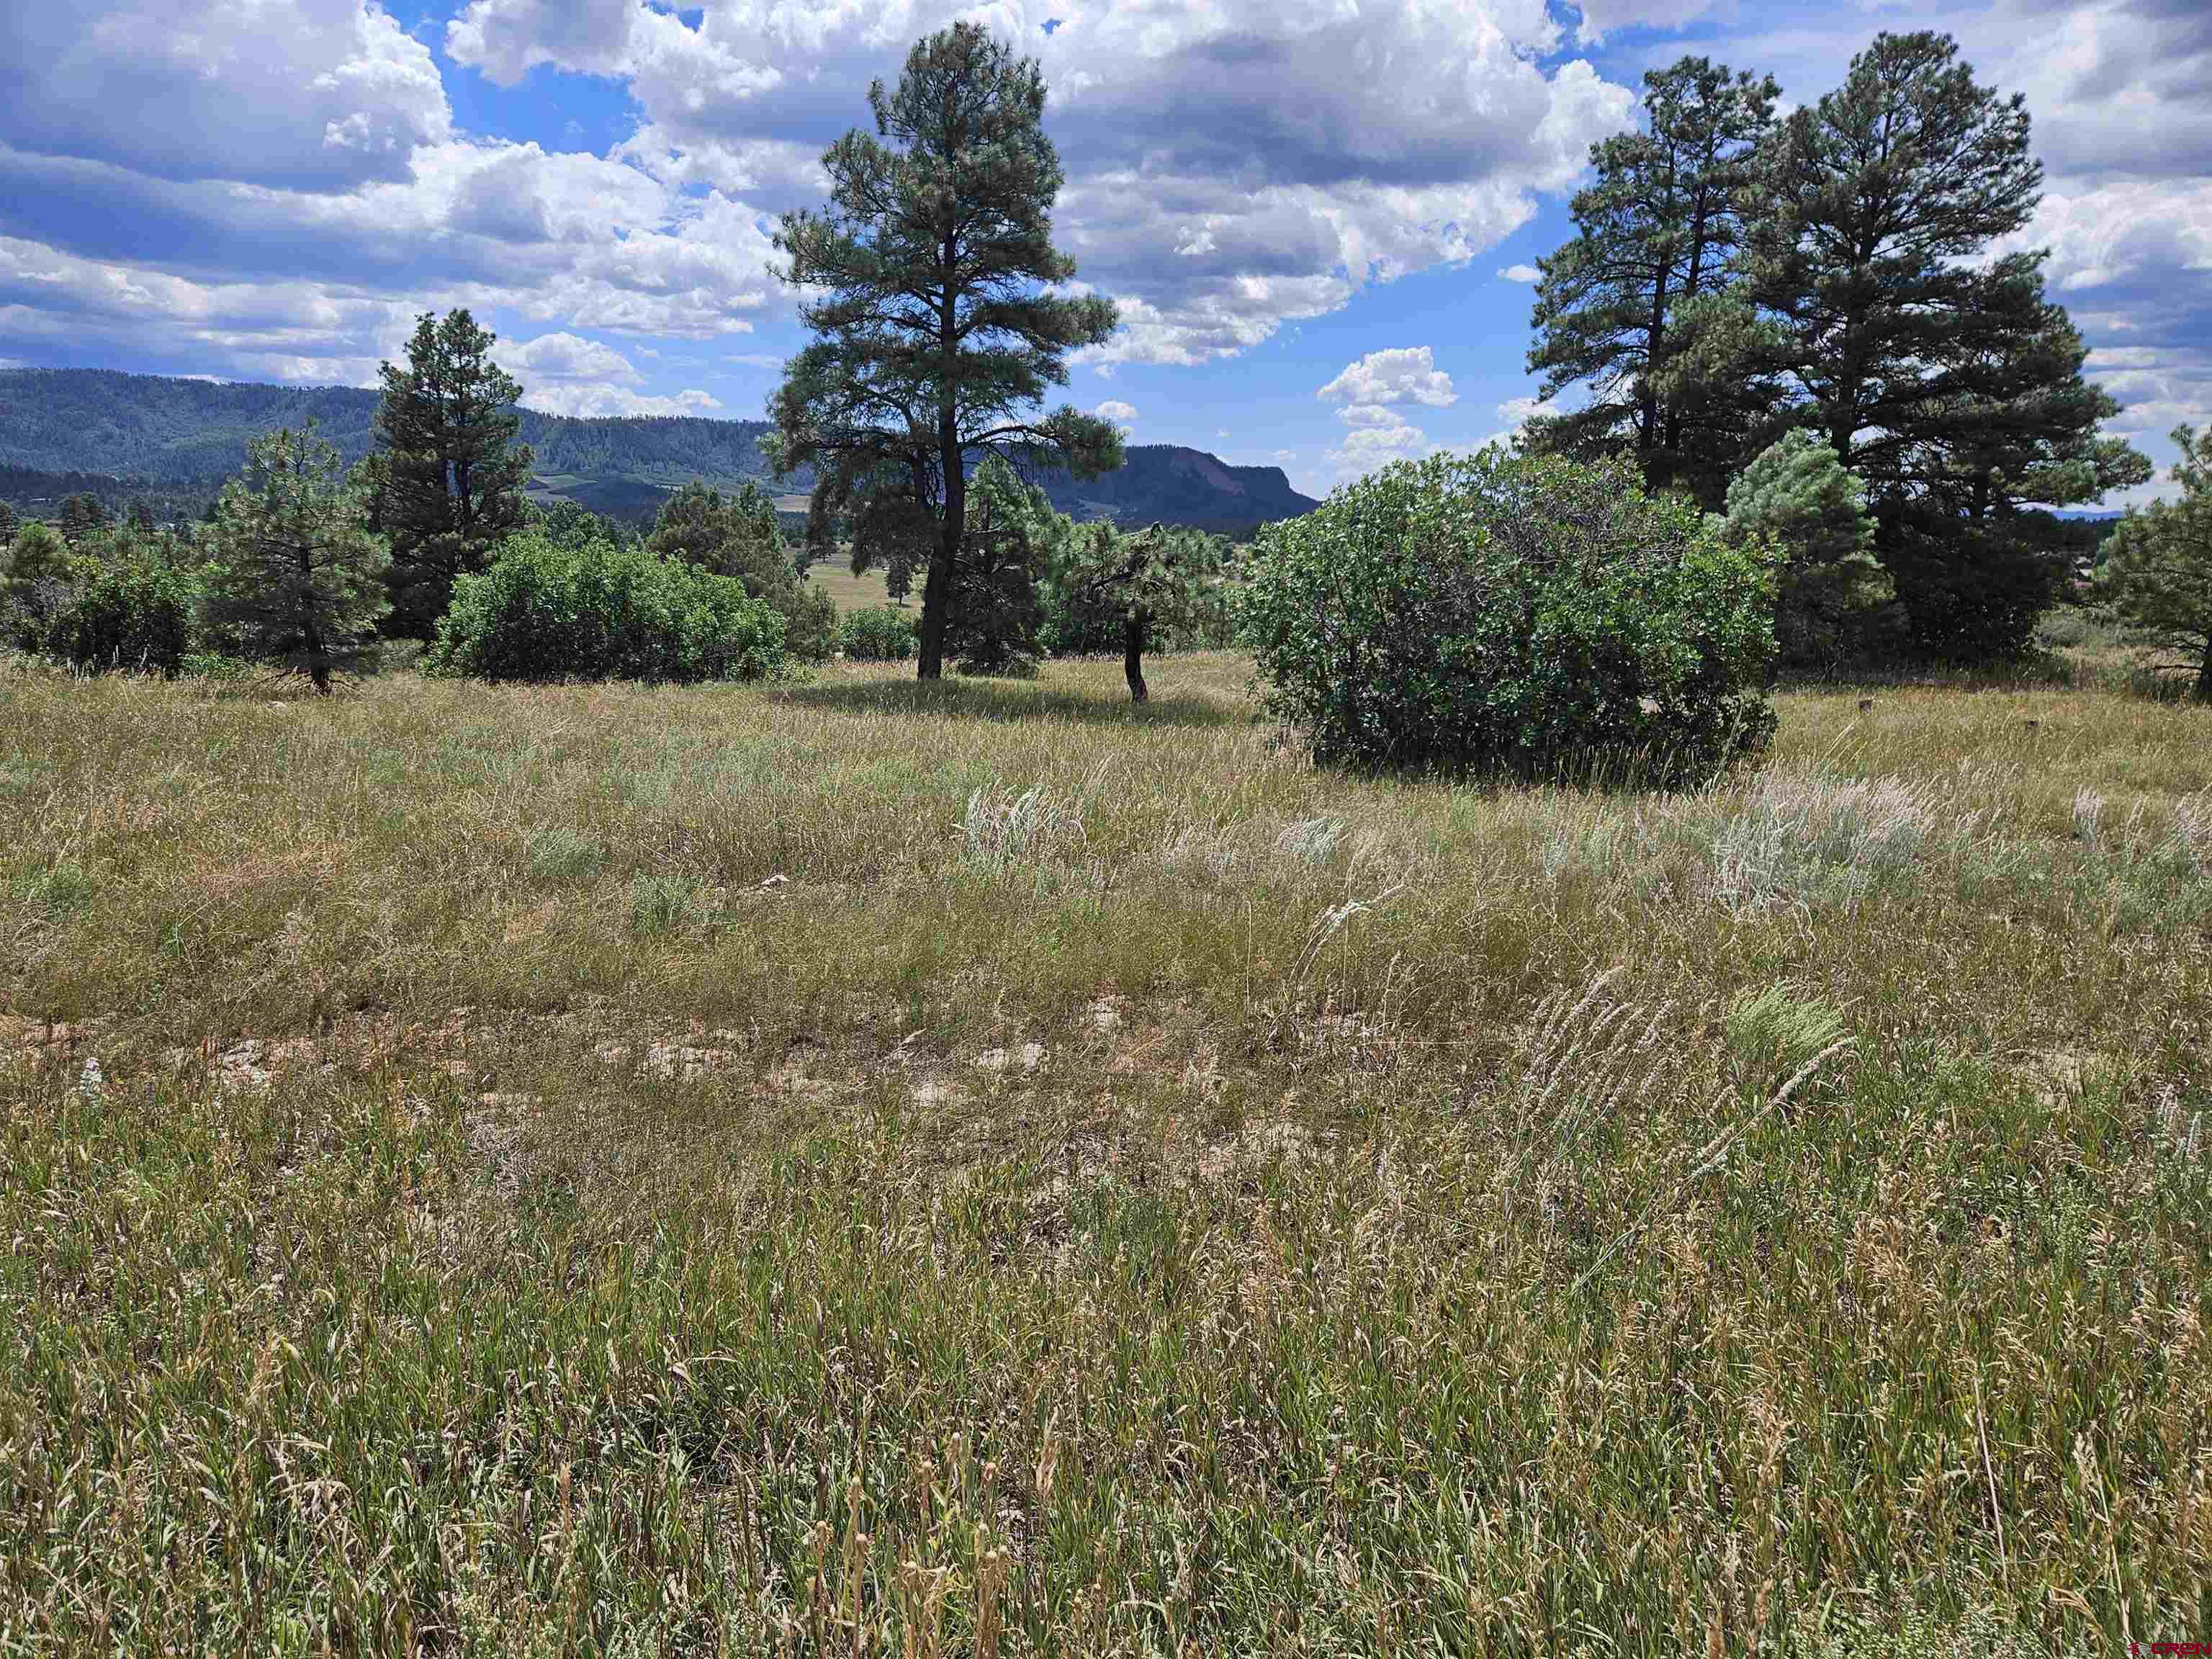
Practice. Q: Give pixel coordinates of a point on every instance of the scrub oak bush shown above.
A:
(123, 602)
(133, 612)
(879, 634)
(544, 612)
(1523, 615)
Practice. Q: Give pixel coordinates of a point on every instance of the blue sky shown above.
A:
(1316, 214)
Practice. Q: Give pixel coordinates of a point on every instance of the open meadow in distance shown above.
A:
(866, 1168)
(833, 575)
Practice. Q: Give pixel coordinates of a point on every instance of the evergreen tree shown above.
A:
(139, 516)
(935, 329)
(298, 579)
(1011, 538)
(82, 514)
(2157, 575)
(450, 489)
(1943, 379)
(737, 536)
(1654, 235)
(38, 555)
(1797, 495)
(9, 523)
(1134, 589)
(730, 535)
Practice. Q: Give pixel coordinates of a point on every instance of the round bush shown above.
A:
(1527, 616)
(544, 612)
(879, 634)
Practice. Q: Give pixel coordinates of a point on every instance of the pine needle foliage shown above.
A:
(2157, 577)
(1829, 585)
(298, 577)
(937, 331)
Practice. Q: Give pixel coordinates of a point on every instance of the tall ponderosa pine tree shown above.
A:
(1654, 235)
(448, 481)
(2157, 578)
(298, 578)
(935, 335)
(1942, 378)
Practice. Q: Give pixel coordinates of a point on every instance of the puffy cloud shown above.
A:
(319, 93)
(1367, 447)
(1231, 166)
(1401, 374)
(508, 38)
(2115, 87)
(1117, 411)
(293, 330)
(2131, 260)
(1520, 273)
(557, 237)
(563, 356)
(2102, 235)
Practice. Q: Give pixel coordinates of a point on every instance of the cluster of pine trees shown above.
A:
(1735, 279)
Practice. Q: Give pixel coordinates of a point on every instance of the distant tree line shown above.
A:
(304, 565)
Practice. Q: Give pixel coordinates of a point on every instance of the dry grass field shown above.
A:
(849, 1168)
(834, 577)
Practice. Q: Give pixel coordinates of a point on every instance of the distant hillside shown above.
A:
(148, 433)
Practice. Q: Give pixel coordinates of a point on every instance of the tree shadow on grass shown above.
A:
(1005, 699)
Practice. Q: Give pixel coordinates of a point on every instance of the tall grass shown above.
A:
(511, 1172)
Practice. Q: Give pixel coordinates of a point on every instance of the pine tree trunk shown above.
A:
(936, 591)
(2203, 692)
(1133, 655)
(318, 660)
(936, 597)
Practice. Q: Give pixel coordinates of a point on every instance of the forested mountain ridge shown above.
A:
(171, 437)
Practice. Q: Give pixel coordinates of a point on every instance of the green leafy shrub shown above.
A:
(597, 611)
(1525, 615)
(132, 610)
(881, 633)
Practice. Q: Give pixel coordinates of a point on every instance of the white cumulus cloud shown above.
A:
(1401, 374)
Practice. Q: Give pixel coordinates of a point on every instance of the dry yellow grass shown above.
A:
(835, 578)
(887, 1169)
